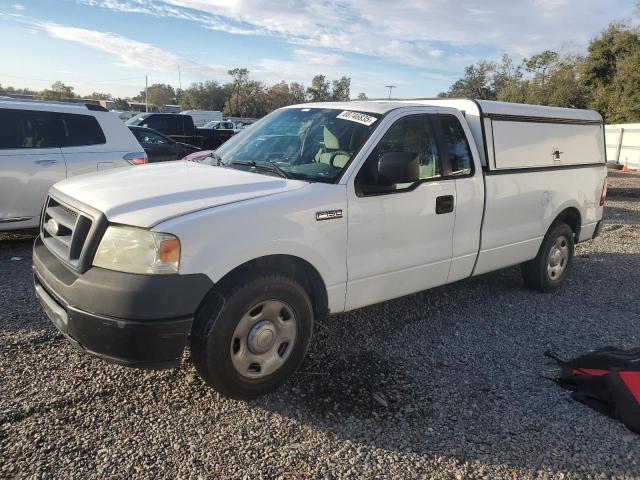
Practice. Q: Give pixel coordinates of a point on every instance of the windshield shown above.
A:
(312, 144)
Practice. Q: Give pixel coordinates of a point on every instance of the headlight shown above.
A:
(135, 250)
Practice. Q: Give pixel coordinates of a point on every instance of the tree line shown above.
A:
(606, 78)
(240, 97)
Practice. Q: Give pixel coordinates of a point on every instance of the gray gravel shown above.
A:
(443, 384)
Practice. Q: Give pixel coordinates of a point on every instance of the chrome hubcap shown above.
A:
(263, 339)
(558, 257)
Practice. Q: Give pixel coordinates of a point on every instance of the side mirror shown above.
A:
(398, 167)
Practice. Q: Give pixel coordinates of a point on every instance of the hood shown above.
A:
(146, 195)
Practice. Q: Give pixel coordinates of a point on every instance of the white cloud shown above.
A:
(413, 32)
(316, 57)
(131, 53)
(18, 6)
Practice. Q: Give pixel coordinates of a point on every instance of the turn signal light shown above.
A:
(169, 250)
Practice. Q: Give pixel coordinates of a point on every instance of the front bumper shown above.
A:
(134, 320)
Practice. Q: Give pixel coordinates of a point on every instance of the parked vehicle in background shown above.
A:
(222, 125)
(202, 117)
(159, 147)
(126, 115)
(317, 208)
(182, 129)
(42, 143)
(201, 156)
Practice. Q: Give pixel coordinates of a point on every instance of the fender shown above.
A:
(217, 240)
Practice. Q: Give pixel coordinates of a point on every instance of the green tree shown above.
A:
(541, 65)
(159, 95)
(551, 79)
(278, 96)
(297, 93)
(319, 89)
(16, 91)
(58, 91)
(250, 101)
(240, 88)
(609, 73)
(209, 95)
(99, 96)
(341, 89)
(477, 83)
(362, 96)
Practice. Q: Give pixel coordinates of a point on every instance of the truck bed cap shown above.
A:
(490, 107)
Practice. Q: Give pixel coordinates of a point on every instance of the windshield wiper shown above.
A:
(269, 166)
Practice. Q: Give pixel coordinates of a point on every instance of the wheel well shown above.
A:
(295, 267)
(571, 216)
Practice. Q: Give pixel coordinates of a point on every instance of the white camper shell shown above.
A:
(512, 135)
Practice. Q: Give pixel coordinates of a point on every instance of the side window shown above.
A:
(151, 138)
(414, 134)
(155, 121)
(81, 130)
(457, 145)
(28, 129)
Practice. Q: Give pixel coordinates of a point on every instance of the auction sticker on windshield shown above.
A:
(357, 117)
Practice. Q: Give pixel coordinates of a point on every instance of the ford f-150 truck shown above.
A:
(316, 209)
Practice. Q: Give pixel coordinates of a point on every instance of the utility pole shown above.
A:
(390, 87)
(179, 84)
(146, 94)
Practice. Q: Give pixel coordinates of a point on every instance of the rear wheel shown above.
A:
(249, 338)
(549, 269)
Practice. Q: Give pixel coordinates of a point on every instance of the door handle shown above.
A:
(445, 204)
(46, 161)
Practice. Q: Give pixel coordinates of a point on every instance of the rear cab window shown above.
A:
(458, 150)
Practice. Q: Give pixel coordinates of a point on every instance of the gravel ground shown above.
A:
(442, 384)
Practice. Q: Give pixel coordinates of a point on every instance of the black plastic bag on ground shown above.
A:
(607, 380)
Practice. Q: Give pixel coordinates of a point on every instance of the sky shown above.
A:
(420, 46)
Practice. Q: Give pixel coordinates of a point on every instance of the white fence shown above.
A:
(623, 144)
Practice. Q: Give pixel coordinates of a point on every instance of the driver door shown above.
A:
(400, 236)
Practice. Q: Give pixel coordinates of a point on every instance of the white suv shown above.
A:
(42, 143)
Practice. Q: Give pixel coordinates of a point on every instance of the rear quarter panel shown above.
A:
(521, 207)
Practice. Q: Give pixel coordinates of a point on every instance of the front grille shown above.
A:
(64, 230)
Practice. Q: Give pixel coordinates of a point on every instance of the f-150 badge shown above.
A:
(329, 215)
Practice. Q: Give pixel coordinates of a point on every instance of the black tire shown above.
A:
(536, 272)
(219, 315)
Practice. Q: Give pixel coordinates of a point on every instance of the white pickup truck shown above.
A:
(316, 209)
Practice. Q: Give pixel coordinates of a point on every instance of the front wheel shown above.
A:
(250, 337)
(549, 269)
